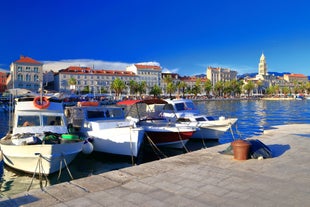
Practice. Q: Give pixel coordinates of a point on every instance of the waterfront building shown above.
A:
(291, 78)
(191, 81)
(3, 79)
(25, 73)
(85, 77)
(220, 74)
(174, 77)
(150, 73)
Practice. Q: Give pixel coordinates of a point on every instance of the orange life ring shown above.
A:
(37, 102)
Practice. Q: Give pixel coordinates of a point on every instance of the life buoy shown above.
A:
(37, 102)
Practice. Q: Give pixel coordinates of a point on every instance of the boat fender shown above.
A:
(67, 113)
(87, 147)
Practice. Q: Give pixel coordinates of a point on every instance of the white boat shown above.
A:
(158, 131)
(184, 111)
(111, 132)
(39, 141)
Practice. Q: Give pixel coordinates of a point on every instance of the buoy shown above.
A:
(87, 147)
(37, 102)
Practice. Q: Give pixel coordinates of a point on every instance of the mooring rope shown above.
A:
(153, 145)
(182, 140)
(41, 172)
(66, 165)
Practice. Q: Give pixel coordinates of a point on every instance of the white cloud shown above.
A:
(4, 70)
(96, 64)
(166, 70)
(149, 63)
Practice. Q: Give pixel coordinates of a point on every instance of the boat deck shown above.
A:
(200, 178)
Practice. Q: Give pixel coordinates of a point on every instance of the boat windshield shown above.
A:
(190, 106)
(24, 121)
(52, 121)
(185, 106)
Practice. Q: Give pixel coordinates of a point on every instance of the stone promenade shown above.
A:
(200, 178)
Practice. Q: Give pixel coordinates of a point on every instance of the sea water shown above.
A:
(254, 116)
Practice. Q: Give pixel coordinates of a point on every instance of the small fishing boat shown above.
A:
(184, 111)
(39, 141)
(158, 131)
(110, 131)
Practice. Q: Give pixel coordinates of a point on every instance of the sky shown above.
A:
(181, 36)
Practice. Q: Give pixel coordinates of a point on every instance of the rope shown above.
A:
(182, 140)
(131, 149)
(153, 145)
(40, 173)
(60, 167)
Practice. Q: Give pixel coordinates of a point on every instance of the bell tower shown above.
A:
(262, 66)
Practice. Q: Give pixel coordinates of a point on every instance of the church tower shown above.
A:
(262, 66)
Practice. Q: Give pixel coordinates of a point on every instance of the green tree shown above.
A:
(181, 87)
(207, 87)
(219, 87)
(167, 80)
(249, 87)
(133, 87)
(171, 88)
(142, 87)
(156, 91)
(118, 86)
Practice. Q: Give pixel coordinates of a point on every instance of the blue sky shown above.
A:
(182, 36)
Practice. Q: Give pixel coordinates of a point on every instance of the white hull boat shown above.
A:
(111, 132)
(39, 142)
(184, 111)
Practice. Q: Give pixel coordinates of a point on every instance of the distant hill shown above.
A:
(252, 75)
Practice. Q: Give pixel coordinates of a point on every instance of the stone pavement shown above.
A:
(199, 178)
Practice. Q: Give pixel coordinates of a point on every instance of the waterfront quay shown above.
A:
(199, 178)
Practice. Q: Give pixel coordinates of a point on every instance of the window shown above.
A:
(28, 78)
(19, 69)
(36, 69)
(52, 121)
(28, 69)
(24, 121)
(20, 77)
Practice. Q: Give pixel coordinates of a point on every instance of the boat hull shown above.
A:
(213, 129)
(26, 157)
(120, 141)
(162, 137)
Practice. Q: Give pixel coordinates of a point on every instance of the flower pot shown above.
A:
(241, 149)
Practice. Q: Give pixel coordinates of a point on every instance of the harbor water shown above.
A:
(254, 116)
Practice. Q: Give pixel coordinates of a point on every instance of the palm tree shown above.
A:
(207, 86)
(118, 86)
(156, 91)
(249, 87)
(219, 87)
(142, 87)
(167, 80)
(171, 88)
(181, 87)
(133, 87)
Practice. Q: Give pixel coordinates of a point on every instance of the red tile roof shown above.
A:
(156, 67)
(297, 75)
(85, 70)
(24, 59)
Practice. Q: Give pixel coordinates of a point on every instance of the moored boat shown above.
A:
(159, 131)
(184, 111)
(111, 132)
(35, 144)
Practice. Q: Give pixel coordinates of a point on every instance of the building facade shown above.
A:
(295, 78)
(26, 73)
(220, 74)
(3, 79)
(151, 74)
(85, 77)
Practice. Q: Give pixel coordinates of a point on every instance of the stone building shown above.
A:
(26, 73)
(220, 74)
